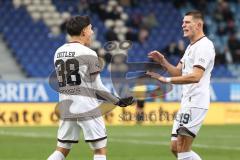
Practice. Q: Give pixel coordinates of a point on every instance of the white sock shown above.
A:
(185, 156)
(99, 157)
(195, 156)
(57, 155)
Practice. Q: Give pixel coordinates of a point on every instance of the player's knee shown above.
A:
(64, 148)
(99, 147)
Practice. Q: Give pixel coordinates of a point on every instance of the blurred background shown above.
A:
(32, 30)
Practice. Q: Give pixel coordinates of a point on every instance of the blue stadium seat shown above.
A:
(33, 39)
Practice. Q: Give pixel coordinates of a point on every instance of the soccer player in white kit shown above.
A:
(193, 72)
(77, 67)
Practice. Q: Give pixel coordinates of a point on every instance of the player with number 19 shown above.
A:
(194, 73)
(77, 66)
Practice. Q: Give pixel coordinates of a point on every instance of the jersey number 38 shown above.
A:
(68, 72)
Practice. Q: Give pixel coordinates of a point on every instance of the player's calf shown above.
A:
(100, 154)
(184, 143)
(173, 147)
(100, 151)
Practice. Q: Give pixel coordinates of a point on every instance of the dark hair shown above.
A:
(76, 24)
(195, 14)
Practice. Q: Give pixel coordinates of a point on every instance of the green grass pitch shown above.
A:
(125, 143)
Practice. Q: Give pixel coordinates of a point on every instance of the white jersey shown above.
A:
(74, 64)
(200, 54)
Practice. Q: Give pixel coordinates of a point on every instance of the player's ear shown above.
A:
(200, 24)
(82, 33)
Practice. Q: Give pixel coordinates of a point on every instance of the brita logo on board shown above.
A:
(23, 92)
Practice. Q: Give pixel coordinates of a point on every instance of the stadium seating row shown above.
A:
(33, 44)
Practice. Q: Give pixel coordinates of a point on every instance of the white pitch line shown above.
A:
(27, 134)
(132, 141)
(166, 135)
(167, 143)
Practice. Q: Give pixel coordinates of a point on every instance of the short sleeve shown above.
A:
(203, 56)
(90, 61)
(94, 65)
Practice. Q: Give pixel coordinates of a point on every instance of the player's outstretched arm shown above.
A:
(193, 77)
(158, 57)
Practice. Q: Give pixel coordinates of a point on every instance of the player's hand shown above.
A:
(124, 102)
(157, 57)
(156, 76)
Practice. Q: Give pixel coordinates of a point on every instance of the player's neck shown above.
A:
(77, 39)
(197, 37)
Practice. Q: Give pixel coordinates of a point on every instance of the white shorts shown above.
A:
(93, 130)
(188, 120)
